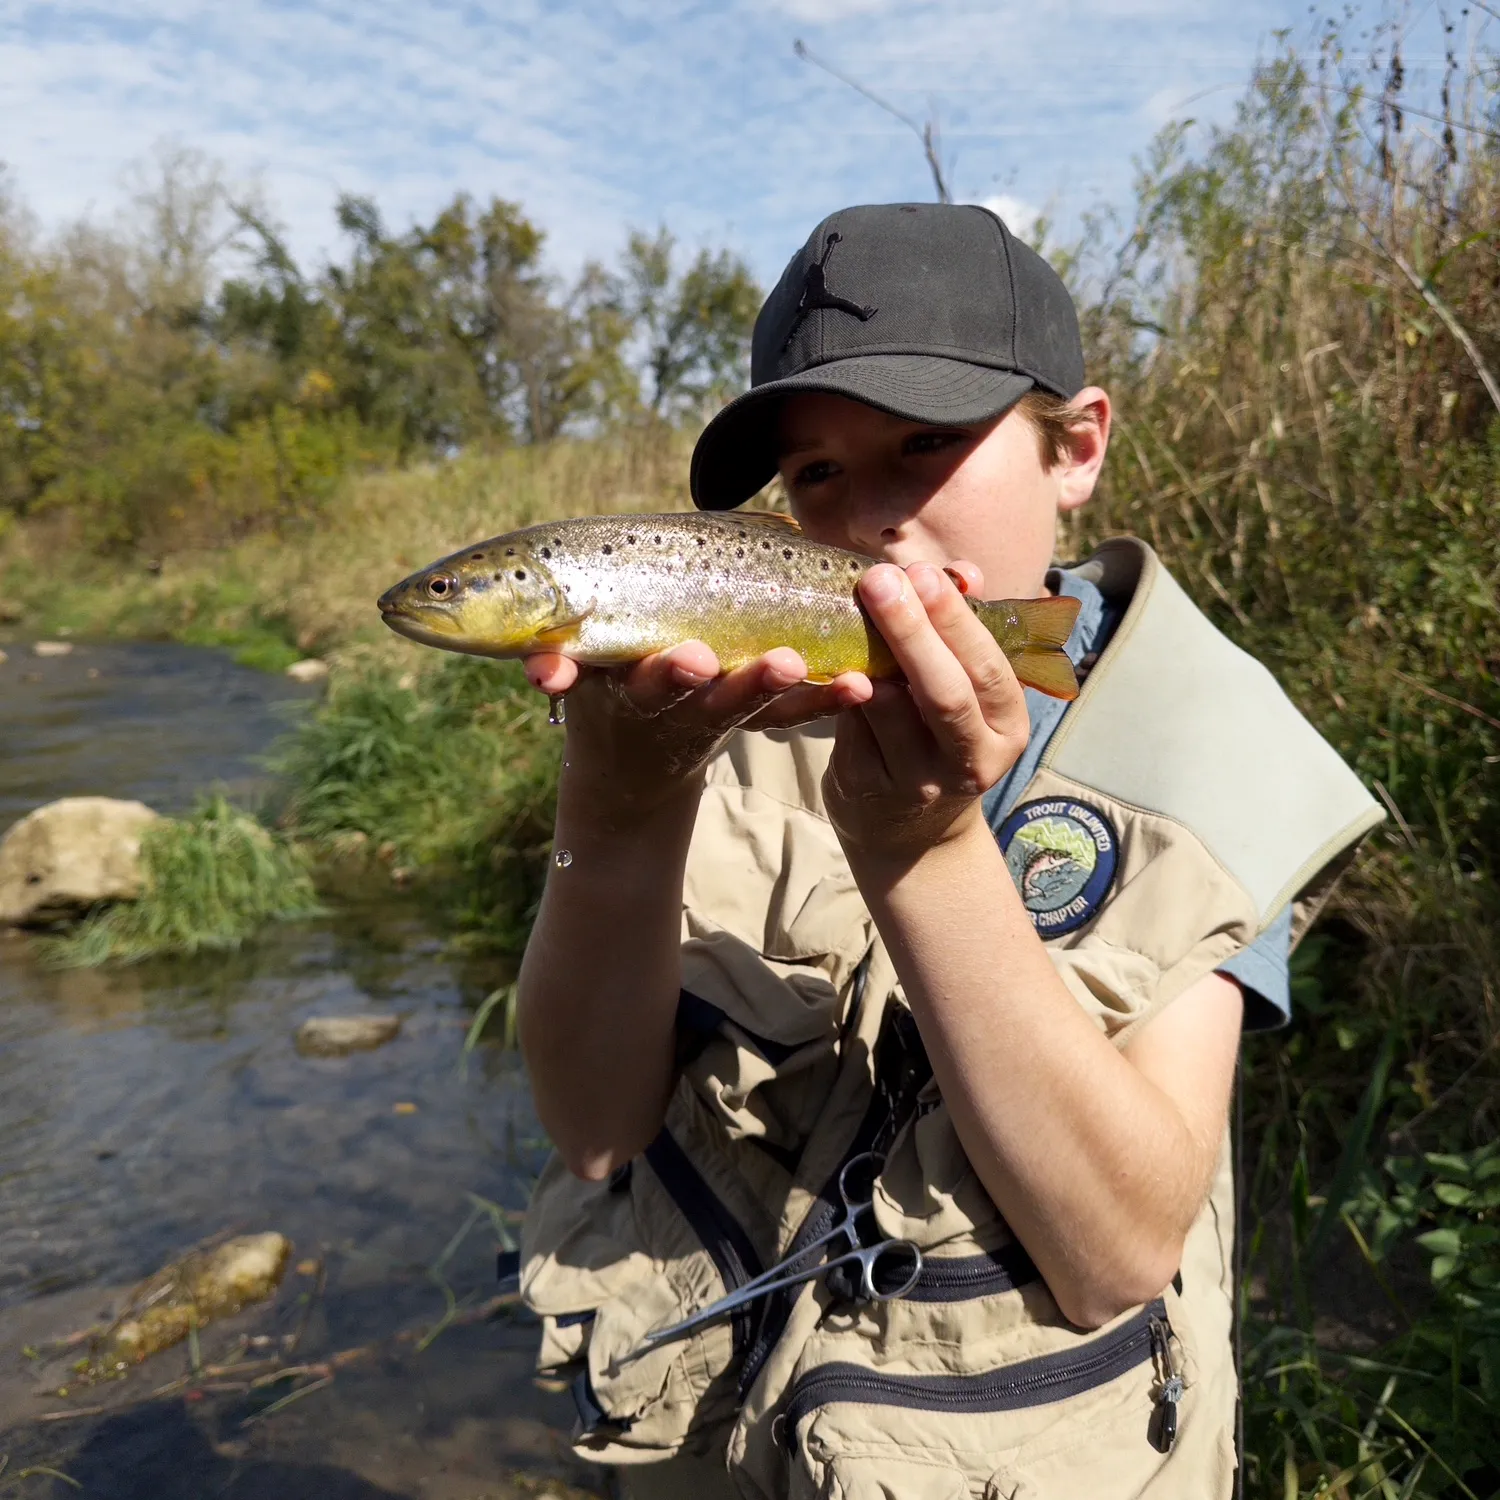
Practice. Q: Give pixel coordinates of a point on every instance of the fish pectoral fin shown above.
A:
(768, 518)
(560, 632)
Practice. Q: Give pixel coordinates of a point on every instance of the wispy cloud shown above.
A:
(598, 115)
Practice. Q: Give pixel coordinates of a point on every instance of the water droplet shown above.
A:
(563, 858)
(557, 709)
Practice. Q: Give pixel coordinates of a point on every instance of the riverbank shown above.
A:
(309, 587)
(1370, 1184)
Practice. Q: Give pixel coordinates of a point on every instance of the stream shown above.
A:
(144, 1110)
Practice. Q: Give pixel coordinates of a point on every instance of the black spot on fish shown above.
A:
(702, 541)
(520, 575)
(607, 549)
(786, 552)
(510, 551)
(478, 557)
(854, 567)
(826, 565)
(557, 541)
(546, 552)
(657, 540)
(765, 546)
(630, 541)
(498, 577)
(739, 551)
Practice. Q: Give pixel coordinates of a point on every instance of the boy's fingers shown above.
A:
(663, 678)
(989, 672)
(939, 683)
(897, 728)
(811, 700)
(551, 673)
(742, 693)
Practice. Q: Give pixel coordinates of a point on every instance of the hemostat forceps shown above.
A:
(899, 1260)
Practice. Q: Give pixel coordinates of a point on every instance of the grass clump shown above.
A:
(452, 779)
(211, 881)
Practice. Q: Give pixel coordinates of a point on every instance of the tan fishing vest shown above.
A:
(1179, 807)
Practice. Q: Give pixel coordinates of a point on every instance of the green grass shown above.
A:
(455, 782)
(211, 881)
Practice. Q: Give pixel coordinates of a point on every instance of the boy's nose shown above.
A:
(877, 516)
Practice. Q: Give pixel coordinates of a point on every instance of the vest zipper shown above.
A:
(1031, 1382)
(961, 1279)
(718, 1231)
(901, 1070)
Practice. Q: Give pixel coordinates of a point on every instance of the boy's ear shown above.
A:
(1088, 442)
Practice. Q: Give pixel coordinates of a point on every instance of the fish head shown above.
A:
(492, 599)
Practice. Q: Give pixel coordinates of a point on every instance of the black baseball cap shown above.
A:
(934, 312)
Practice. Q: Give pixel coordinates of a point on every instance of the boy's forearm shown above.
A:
(597, 994)
(1093, 1167)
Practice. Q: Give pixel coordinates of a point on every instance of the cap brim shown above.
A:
(736, 453)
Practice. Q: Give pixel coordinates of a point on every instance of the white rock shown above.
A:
(68, 855)
(52, 648)
(332, 1036)
(310, 669)
(195, 1290)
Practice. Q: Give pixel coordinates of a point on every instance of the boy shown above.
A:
(995, 954)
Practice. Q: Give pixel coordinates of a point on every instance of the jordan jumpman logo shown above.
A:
(815, 294)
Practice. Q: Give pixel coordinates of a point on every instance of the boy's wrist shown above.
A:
(882, 863)
(601, 803)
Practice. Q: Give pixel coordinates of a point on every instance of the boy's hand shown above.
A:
(642, 733)
(909, 768)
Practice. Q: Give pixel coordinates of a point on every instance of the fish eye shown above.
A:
(442, 586)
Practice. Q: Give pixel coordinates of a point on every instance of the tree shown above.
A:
(694, 328)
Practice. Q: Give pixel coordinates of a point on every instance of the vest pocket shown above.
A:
(1025, 1429)
(637, 1403)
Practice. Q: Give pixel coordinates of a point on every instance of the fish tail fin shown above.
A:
(1033, 632)
(1048, 670)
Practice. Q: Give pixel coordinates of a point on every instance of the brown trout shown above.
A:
(606, 590)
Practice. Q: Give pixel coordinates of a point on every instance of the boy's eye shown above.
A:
(817, 472)
(919, 443)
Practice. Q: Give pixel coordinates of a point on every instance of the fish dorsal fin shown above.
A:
(767, 518)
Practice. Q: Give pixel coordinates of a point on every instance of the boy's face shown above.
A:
(908, 492)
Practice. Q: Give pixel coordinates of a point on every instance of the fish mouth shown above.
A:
(434, 631)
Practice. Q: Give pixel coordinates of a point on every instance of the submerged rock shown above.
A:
(192, 1292)
(69, 855)
(310, 669)
(11, 613)
(52, 648)
(333, 1036)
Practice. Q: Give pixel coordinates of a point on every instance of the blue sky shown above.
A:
(597, 116)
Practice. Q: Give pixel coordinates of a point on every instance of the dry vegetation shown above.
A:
(1300, 326)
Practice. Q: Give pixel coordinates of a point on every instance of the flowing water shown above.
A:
(144, 1110)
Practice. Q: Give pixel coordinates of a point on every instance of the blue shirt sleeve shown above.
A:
(1263, 971)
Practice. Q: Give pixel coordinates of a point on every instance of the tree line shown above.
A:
(181, 374)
